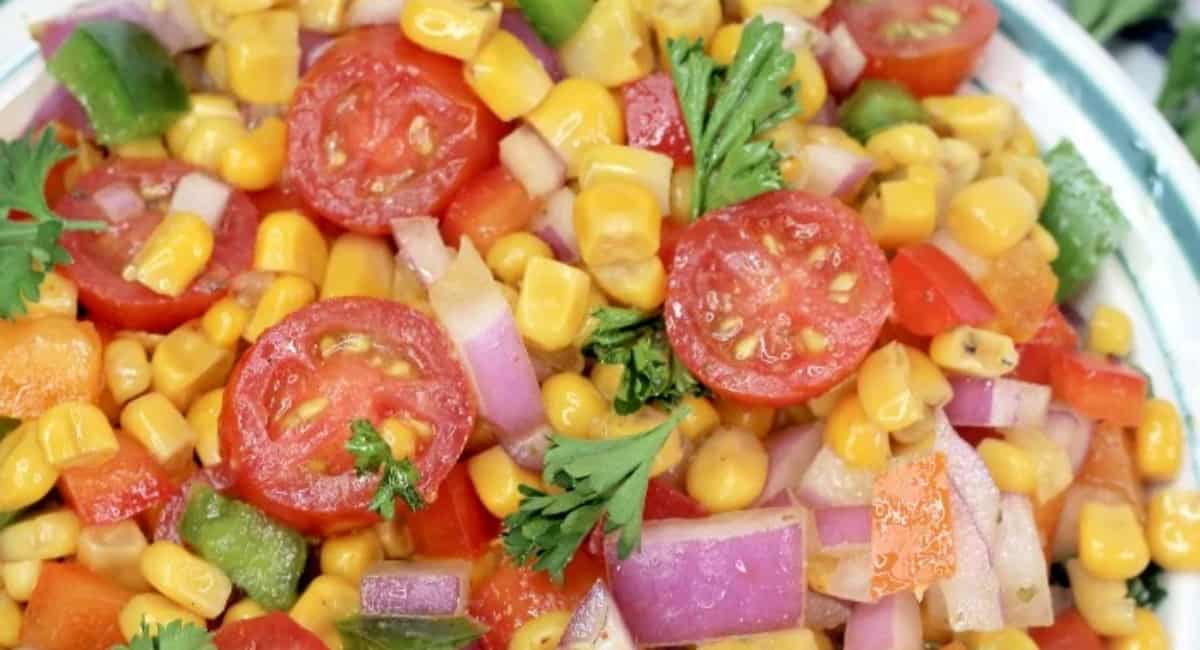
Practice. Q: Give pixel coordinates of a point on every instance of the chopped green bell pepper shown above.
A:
(555, 21)
(875, 106)
(408, 633)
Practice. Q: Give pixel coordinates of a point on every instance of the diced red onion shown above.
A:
(846, 60)
(973, 265)
(532, 161)
(58, 105)
(596, 624)
(1021, 566)
(556, 226)
(374, 12)
(790, 452)
(829, 481)
(173, 24)
(797, 31)
(823, 612)
(997, 403)
(969, 477)
(419, 588)
(1070, 430)
(514, 22)
(475, 314)
(420, 245)
(120, 201)
(725, 575)
(313, 44)
(827, 116)
(1066, 534)
(834, 171)
(203, 196)
(973, 592)
(893, 623)
(843, 530)
(851, 578)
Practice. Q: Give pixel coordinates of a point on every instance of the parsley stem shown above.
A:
(70, 225)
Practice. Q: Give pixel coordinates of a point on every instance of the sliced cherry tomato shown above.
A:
(487, 208)
(513, 596)
(1020, 284)
(1069, 632)
(293, 395)
(274, 631)
(1099, 388)
(100, 258)
(128, 484)
(930, 46)
(933, 294)
(72, 608)
(654, 119)
(1053, 337)
(381, 129)
(455, 524)
(775, 300)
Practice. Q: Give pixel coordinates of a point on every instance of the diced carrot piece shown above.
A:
(912, 544)
(73, 609)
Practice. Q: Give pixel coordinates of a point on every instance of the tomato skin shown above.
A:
(1055, 336)
(487, 208)
(933, 294)
(664, 501)
(1098, 388)
(126, 485)
(455, 524)
(1069, 632)
(763, 269)
(362, 96)
(274, 631)
(72, 608)
(654, 119)
(47, 361)
(513, 596)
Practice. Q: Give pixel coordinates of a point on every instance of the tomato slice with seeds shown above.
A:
(775, 300)
(100, 258)
(292, 397)
(381, 129)
(930, 46)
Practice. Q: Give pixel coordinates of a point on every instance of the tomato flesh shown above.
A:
(126, 485)
(664, 501)
(1054, 336)
(654, 119)
(455, 524)
(1098, 388)
(933, 294)
(274, 631)
(72, 608)
(513, 596)
(1069, 632)
(294, 393)
(490, 206)
(381, 129)
(775, 300)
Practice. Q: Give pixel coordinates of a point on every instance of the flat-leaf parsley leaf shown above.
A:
(175, 635)
(638, 342)
(398, 478)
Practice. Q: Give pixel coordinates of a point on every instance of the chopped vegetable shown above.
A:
(911, 539)
(398, 478)
(597, 622)
(555, 21)
(875, 106)
(268, 569)
(416, 588)
(725, 109)
(1181, 91)
(30, 249)
(1145, 589)
(388, 633)
(1104, 18)
(176, 635)
(1082, 216)
(124, 78)
(597, 478)
(652, 372)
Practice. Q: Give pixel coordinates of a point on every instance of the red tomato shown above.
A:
(775, 300)
(455, 524)
(513, 596)
(654, 119)
(297, 469)
(274, 631)
(901, 45)
(381, 129)
(663, 501)
(669, 236)
(487, 208)
(100, 258)
(933, 294)
(163, 521)
(1099, 388)
(1069, 632)
(126, 485)
(1055, 336)
(72, 608)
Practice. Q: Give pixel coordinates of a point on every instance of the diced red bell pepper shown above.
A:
(275, 631)
(72, 608)
(654, 119)
(933, 294)
(1055, 336)
(1099, 388)
(455, 524)
(513, 596)
(1069, 632)
(663, 501)
(126, 485)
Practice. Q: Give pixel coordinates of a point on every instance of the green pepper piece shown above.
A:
(262, 557)
(408, 633)
(875, 106)
(555, 21)
(1082, 216)
(124, 79)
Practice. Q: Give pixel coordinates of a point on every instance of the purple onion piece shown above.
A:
(839, 528)
(422, 588)
(597, 624)
(514, 21)
(789, 454)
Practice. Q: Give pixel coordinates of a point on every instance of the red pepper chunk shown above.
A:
(932, 294)
(126, 485)
(275, 631)
(1099, 388)
(455, 524)
(654, 119)
(1055, 336)
(1069, 632)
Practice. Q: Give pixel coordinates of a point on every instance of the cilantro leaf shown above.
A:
(407, 633)
(398, 479)
(1145, 589)
(598, 478)
(175, 635)
(1104, 18)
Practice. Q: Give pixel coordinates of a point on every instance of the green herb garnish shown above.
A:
(726, 108)
(1179, 100)
(1145, 589)
(1104, 18)
(398, 479)
(175, 635)
(597, 478)
(408, 633)
(638, 342)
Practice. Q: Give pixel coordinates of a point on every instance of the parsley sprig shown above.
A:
(726, 108)
(175, 635)
(638, 342)
(30, 249)
(597, 478)
(1179, 100)
(398, 479)
(1104, 18)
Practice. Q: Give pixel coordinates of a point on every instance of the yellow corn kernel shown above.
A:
(975, 352)
(359, 265)
(1029, 171)
(930, 385)
(903, 145)
(552, 306)
(905, 213)
(87, 158)
(286, 294)
(794, 639)
(1110, 331)
(202, 417)
(1104, 604)
(1045, 242)
(396, 539)
(401, 438)
(236, 7)
(822, 405)
(508, 257)
(349, 556)
(541, 633)
(613, 426)
(642, 285)
(1173, 529)
(186, 579)
(322, 15)
(456, 28)
(813, 89)
(255, 162)
(1112, 544)
(607, 378)
(990, 216)
(985, 121)
(507, 77)
(497, 479)
(571, 403)
(204, 105)
(153, 610)
(224, 321)
(216, 67)
(681, 193)
(242, 610)
(126, 369)
(288, 242)
(1149, 634)
(57, 296)
(612, 163)
(46, 536)
(186, 364)
(724, 44)
(20, 578)
(701, 420)
(805, 8)
(1006, 639)
(10, 622)
(617, 222)
(758, 420)
(156, 423)
(176, 253)
(855, 438)
(208, 140)
(884, 389)
(960, 162)
(612, 46)
(115, 552)
(262, 54)
(1159, 441)
(728, 471)
(688, 19)
(25, 474)
(577, 114)
(327, 600)
(1010, 466)
(75, 433)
